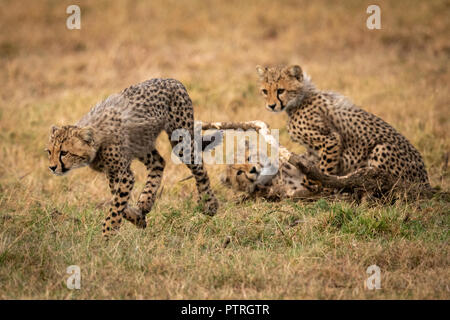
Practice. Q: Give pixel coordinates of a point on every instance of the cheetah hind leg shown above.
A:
(207, 200)
(381, 158)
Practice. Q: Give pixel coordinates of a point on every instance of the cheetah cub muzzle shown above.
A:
(122, 128)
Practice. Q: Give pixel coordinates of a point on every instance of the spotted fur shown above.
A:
(251, 177)
(122, 128)
(339, 135)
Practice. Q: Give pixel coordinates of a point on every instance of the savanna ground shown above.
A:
(286, 250)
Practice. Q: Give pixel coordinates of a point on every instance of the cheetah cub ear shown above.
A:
(86, 134)
(295, 71)
(53, 129)
(261, 71)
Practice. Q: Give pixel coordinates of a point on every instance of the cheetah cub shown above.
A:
(340, 136)
(122, 128)
(256, 177)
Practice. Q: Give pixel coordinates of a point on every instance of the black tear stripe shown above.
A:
(63, 168)
(281, 103)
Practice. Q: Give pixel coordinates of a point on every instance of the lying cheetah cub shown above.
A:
(122, 128)
(252, 177)
(340, 136)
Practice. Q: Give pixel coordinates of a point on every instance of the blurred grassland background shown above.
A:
(52, 75)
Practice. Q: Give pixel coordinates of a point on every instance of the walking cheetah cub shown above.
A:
(339, 135)
(122, 128)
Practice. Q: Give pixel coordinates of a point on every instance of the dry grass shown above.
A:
(278, 250)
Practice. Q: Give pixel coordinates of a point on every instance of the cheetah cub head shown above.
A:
(257, 172)
(69, 148)
(242, 177)
(280, 86)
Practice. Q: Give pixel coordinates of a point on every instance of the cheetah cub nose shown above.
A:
(272, 106)
(52, 168)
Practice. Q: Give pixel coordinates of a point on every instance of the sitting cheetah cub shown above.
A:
(340, 136)
(122, 128)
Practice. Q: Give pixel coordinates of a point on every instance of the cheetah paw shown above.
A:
(210, 207)
(135, 217)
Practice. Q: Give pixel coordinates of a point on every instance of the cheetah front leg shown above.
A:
(129, 213)
(330, 154)
(121, 182)
(330, 150)
(155, 166)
